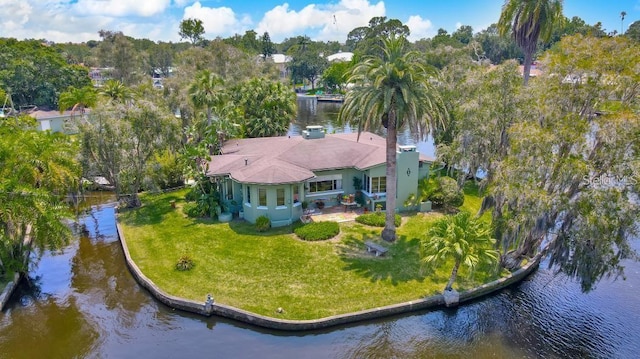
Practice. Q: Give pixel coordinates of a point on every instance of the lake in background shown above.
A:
(83, 302)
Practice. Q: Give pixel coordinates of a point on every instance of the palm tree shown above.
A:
(116, 91)
(206, 92)
(528, 21)
(622, 16)
(395, 91)
(462, 238)
(75, 98)
(36, 168)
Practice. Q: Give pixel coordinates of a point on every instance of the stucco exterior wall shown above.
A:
(407, 177)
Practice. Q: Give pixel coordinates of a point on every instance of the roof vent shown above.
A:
(313, 132)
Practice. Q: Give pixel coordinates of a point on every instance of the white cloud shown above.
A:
(61, 21)
(420, 28)
(458, 25)
(19, 12)
(182, 3)
(329, 22)
(221, 21)
(143, 8)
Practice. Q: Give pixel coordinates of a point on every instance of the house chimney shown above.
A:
(313, 132)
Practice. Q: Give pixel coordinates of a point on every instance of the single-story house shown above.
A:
(273, 176)
(55, 121)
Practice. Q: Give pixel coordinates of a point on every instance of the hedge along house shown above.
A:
(272, 176)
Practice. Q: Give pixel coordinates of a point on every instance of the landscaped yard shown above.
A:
(261, 272)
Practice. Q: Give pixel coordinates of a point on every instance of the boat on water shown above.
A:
(330, 98)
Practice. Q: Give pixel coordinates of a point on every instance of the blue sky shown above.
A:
(80, 20)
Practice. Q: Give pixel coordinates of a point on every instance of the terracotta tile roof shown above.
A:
(276, 160)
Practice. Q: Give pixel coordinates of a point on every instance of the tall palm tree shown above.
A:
(528, 21)
(77, 98)
(465, 239)
(206, 92)
(622, 16)
(395, 91)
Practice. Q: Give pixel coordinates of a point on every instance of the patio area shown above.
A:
(336, 213)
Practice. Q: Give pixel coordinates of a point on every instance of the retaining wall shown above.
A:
(226, 311)
(11, 286)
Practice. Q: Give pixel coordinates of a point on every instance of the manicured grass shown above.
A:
(473, 200)
(260, 272)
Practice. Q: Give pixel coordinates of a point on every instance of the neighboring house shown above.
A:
(340, 56)
(281, 61)
(99, 75)
(272, 176)
(56, 121)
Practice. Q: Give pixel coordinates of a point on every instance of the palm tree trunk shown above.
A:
(454, 274)
(389, 231)
(528, 59)
(209, 121)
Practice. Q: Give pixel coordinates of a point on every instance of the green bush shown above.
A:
(192, 210)
(165, 171)
(263, 223)
(376, 219)
(185, 263)
(318, 231)
(444, 191)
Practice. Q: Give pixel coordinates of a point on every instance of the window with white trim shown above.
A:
(280, 197)
(378, 184)
(228, 189)
(325, 183)
(375, 184)
(262, 197)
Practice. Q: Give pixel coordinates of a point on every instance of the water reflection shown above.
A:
(82, 302)
(312, 112)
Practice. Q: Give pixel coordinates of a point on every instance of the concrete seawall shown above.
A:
(226, 311)
(12, 285)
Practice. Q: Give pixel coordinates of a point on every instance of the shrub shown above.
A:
(376, 219)
(263, 223)
(185, 263)
(318, 231)
(441, 191)
(165, 171)
(192, 210)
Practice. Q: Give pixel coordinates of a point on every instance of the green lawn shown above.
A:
(260, 272)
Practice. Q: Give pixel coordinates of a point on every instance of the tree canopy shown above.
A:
(37, 170)
(529, 21)
(33, 73)
(192, 30)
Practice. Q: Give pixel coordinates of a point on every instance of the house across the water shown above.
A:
(272, 176)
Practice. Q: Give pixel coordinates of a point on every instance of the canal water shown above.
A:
(82, 302)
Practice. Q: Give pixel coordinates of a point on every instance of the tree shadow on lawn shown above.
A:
(400, 264)
(153, 210)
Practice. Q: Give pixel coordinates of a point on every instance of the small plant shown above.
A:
(192, 210)
(185, 263)
(263, 223)
(318, 231)
(376, 219)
